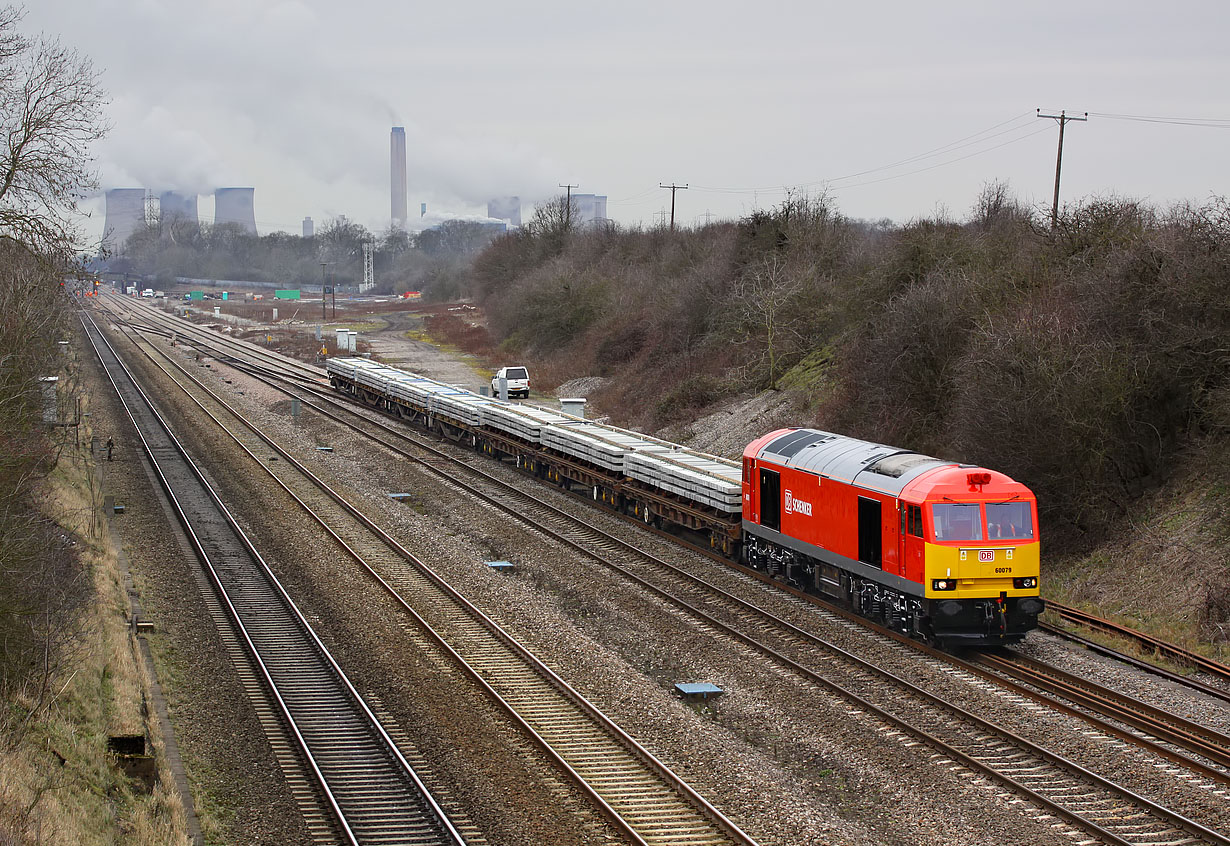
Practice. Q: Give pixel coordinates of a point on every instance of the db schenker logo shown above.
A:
(797, 506)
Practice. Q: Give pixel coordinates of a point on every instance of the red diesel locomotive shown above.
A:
(943, 551)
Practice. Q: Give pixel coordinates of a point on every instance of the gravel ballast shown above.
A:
(790, 765)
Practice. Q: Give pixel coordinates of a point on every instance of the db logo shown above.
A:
(797, 506)
(986, 555)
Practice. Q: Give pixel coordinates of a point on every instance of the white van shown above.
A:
(518, 382)
(148, 292)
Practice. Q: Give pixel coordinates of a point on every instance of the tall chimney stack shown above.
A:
(397, 176)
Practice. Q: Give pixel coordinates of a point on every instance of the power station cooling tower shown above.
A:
(397, 176)
(235, 205)
(174, 207)
(125, 215)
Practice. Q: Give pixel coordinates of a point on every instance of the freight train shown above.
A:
(942, 551)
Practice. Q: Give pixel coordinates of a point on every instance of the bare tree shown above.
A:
(50, 112)
(42, 585)
(995, 204)
(765, 299)
(554, 218)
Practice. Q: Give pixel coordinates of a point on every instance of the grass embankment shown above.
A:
(1165, 572)
(58, 781)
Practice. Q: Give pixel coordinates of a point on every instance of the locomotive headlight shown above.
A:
(1025, 582)
(943, 584)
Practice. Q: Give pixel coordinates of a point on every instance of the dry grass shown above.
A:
(58, 782)
(1165, 573)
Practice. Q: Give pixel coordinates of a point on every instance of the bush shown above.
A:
(1080, 361)
(41, 586)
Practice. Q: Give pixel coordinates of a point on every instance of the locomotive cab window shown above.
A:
(957, 521)
(1009, 520)
(916, 527)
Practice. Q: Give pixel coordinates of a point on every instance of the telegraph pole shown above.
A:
(673, 188)
(325, 289)
(568, 207)
(1062, 118)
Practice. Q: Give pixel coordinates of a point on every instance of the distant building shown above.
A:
(174, 207)
(309, 229)
(235, 205)
(589, 208)
(125, 215)
(397, 177)
(507, 209)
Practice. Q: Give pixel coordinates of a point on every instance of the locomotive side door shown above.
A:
(913, 543)
(771, 499)
(903, 530)
(870, 532)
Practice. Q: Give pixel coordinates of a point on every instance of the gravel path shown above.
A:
(392, 346)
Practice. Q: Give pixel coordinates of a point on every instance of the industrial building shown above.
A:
(309, 228)
(235, 205)
(589, 208)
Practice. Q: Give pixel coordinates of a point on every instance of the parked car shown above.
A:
(518, 381)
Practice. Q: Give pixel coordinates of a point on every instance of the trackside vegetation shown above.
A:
(1089, 360)
(68, 675)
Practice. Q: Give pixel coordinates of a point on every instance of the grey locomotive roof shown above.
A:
(869, 465)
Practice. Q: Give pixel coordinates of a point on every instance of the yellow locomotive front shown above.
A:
(976, 536)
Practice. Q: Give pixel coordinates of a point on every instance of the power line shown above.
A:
(951, 147)
(639, 196)
(959, 144)
(940, 164)
(1209, 123)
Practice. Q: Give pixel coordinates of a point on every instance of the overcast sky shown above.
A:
(900, 109)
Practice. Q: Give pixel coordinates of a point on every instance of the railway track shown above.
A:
(1164, 725)
(1049, 778)
(373, 794)
(236, 351)
(1145, 642)
(647, 801)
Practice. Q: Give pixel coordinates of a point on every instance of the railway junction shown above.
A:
(538, 702)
